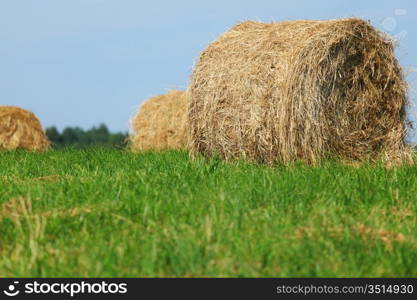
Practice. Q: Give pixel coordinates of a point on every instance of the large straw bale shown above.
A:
(20, 128)
(299, 90)
(160, 123)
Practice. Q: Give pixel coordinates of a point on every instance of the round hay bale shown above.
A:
(160, 123)
(20, 128)
(299, 90)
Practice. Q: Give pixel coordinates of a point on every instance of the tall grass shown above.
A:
(100, 212)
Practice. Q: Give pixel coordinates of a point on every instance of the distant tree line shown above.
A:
(77, 137)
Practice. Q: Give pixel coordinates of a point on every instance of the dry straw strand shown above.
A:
(20, 128)
(299, 90)
(160, 123)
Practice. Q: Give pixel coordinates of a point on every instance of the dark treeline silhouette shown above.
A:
(77, 137)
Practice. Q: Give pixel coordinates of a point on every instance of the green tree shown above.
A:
(53, 135)
(69, 136)
(77, 137)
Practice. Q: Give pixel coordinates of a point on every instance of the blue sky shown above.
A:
(85, 62)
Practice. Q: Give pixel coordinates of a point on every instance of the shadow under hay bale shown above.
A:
(299, 90)
(160, 123)
(20, 128)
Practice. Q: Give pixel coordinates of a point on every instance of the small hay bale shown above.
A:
(160, 123)
(299, 90)
(20, 128)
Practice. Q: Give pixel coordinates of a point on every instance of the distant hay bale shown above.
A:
(20, 128)
(299, 90)
(160, 123)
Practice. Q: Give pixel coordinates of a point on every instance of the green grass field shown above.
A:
(109, 213)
